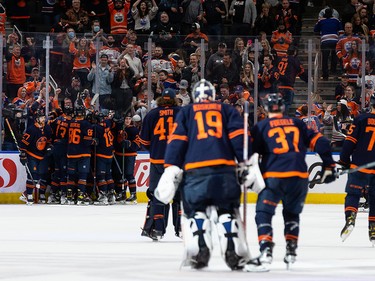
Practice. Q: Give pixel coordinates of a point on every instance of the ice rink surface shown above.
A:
(45, 242)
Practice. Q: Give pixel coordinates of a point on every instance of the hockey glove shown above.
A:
(345, 166)
(328, 174)
(126, 143)
(254, 179)
(168, 184)
(23, 158)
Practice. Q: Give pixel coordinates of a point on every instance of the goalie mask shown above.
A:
(204, 90)
(275, 103)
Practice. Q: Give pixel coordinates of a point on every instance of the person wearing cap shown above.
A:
(183, 93)
(213, 11)
(227, 72)
(192, 11)
(340, 88)
(215, 59)
(165, 32)
(156, 129)
(193, 40)
(101, 84)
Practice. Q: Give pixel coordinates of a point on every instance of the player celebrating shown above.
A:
(156, 129)
(206, 142)
(33, 149)
(359, 144)
(282, 142)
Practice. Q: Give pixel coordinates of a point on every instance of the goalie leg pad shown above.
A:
(232, 241)
(198, 241)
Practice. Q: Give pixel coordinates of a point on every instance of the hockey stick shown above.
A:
(37, 185)
(245, 158)
(117, 165)
(317, 177)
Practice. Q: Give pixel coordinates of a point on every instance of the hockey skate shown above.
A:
(111, 197)
(53, 198)
(371, 233)
(349, 226)
(290, 255)
(121, 197)
(266, 252)
(102, 199)
(69, 197)
(23, 197)
(132, 200)
(30, 199)
(82, 199)
(363, 206)
(42, 198)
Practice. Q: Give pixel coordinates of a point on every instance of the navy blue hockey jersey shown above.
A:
(80, 138)
(105, 138)
(206, 134)
(156, 129)
(35, 140)
(282, 142)
(360, 142)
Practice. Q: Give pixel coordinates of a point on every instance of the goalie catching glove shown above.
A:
(168, 184)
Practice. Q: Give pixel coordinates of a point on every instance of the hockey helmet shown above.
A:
(79, 110)
(204, 90)
(275, 103)
(100, 117)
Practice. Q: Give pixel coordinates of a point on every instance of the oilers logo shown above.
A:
(348, 46)
(119, 18)
(355, 63)
(82, 59)
(41, 143)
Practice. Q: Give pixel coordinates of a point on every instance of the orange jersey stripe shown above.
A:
(177, 137)
(208, 163)
(236, 133)
(289, 174)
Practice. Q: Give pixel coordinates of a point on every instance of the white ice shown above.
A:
(44, 242)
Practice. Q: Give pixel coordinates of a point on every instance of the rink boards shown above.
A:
(13, 180)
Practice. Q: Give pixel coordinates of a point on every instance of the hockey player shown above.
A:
(206, 142)
(35, 144)
(60, 138)
(282, 142)
(127, 145)
(156, 130)
(359, 145)
(79, 153)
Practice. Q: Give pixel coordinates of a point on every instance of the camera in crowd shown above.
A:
(14, 113)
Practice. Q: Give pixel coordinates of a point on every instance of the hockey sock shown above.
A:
(291, 228)
(265, 232)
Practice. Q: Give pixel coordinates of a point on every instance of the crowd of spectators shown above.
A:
(99, 48)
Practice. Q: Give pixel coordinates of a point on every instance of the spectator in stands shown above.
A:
(56, 59)
(223, 93)
(50, 14)
(369, 74)
(156, 85)
(289, 17)
(134, 63)
(98, 10)
(183, 93)
(265, 75)
(281, 39)
(265, 22)
(165, 33)
(178, 69)
(101, 76)
(191, 73)
(343, 46)
(227, 72)
(352, 63)
(76, 17)
(30, 67)
(340, 89)
(73, 89)
(213, 11)
(359, 28)
(171, 7)
(96, 32)
(192, 12)
(353, 101)
(111, 49)
(122, 86)
(159, 61)
(193, 40)
(215, 59)
(329, 28)
(247, 76)
(16, 74)
(334, 12)
(31, 49)
(340, 120)
(142, 16)
(82, 52)
(243, 14)
(350, 9)
(266, 50)
(118, 16)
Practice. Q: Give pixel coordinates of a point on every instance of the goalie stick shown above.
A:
(317, 177)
